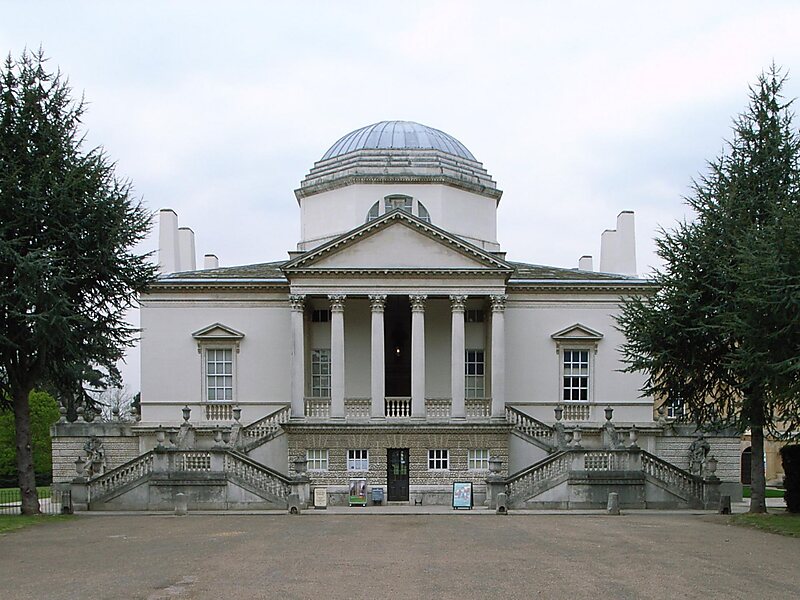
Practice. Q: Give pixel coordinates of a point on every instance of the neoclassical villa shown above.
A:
(397, 346)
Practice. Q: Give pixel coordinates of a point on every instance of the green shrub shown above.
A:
(44, 412)
(790, 456)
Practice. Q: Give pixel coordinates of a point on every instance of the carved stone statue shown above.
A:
(95, 456)
(698, 451)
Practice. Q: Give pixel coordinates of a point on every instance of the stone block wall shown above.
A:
(435, 485)
(119, 445)
(675, 449)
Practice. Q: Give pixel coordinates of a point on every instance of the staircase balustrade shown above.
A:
(124, 474)
(674, 477)
(529, 426)
(606, 460)
(191, 460)
(264, 429)
(576, 412)
(256, 475)
(219, 412)
(522, 485)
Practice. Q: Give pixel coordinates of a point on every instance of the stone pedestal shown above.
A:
(301, 488)
(495, 485)
(79, 490)
(711, 493)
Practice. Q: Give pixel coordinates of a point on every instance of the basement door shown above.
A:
(397, 474)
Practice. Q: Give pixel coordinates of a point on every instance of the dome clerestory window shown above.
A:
(398, 201)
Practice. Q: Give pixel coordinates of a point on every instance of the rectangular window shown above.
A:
(321, 373)
(317, 459)
(576, 375)
(403, 202)
(358, 460)
(219, 374)
(474, 316)
(438, 460)
(320, 315)
(478, 459)
(676, 407)
(474, 374)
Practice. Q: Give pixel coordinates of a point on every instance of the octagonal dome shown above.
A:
(398, 152)
(398, 135)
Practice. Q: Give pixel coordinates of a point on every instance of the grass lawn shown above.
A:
(771, 492)
(12, 494)
(11, 522)
(780, 522)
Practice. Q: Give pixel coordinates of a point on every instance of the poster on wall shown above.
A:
(358, 492)
(462, 494)
(321, 497)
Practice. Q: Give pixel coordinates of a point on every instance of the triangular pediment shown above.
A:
(217, 331)
(397, 241)
(577, 332)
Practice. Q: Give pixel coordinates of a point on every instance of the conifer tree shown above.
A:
(723, 330)
(67, 270)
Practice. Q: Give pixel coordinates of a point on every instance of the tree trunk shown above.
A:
(758, 479)
(27, 477)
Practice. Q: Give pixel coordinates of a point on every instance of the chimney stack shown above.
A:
(167, 241)
(210, 261)
(187, 261)
(585, 263)
(618, 246)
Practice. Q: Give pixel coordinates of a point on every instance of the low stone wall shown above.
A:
(119, 445)
(431, 487)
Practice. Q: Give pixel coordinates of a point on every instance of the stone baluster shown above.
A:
(378, 365)
(418, 356)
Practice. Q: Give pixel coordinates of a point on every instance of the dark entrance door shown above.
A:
(747, 461)
(397, 474)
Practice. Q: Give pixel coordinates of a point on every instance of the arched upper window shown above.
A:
(402, 202)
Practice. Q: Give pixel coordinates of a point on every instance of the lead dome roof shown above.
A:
(398, 152)
(395, 135)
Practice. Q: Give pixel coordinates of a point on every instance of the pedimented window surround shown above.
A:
(576, 348)
(210, 341)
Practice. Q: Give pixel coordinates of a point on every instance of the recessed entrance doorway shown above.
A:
(397, 474)
(397, 346)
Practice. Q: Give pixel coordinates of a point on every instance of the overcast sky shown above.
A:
(577, 109)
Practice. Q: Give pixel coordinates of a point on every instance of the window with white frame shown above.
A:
(575, 375)
(358, 460)
(478, 459)
(474, 368)
(676, 407)
(219, 374)
(438, 460)
(321, 373)
(317, 459)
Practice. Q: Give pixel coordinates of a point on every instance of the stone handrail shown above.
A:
(357, 408)
(256, 474)
(122, 475)
(480, 408)
(264, 429)
(606, 460)
(318, 407)
(675, 477)
(398, 406)
(529, 426)
(522, 484)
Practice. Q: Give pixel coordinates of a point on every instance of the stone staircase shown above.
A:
(217, 478)
(583, 478)
(262, 431)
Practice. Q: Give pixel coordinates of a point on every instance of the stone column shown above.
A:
(498, 356)
(378, 366)
(337, 356)
(418, 356)
(297, 303)
(457, 409)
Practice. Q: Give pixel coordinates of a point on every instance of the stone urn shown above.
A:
(495, 466)
(300, 465)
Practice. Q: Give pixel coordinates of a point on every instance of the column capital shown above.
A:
(297, 301)
(337, 302)
(498, 302)
(417, 302)
(377, 302)
(457, 303)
